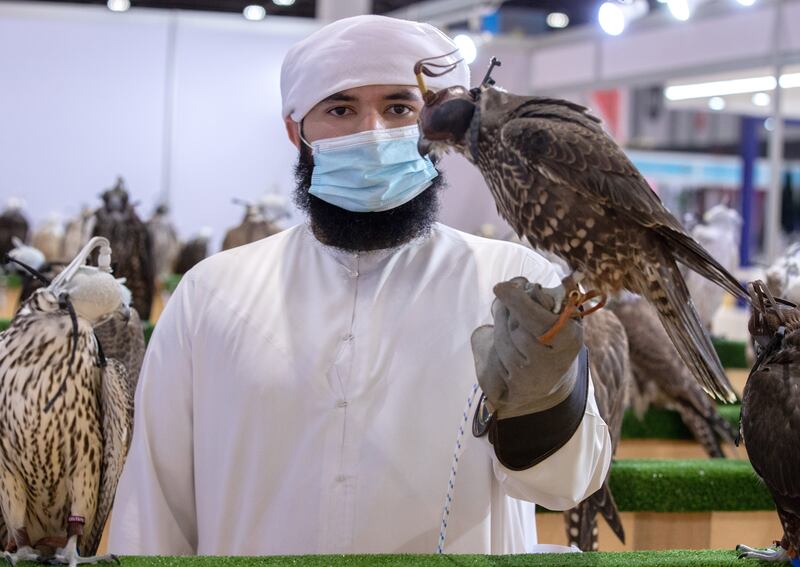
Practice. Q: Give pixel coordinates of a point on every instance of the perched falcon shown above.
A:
(770, 423)
(254, 226)
(49, 238)
(192, 253)
(661, 378)
(133, 251)
(564, 184)
(13, 224)
(165, 241)
(66, 416)
(719, 234)
(605, 338)
(783, 276)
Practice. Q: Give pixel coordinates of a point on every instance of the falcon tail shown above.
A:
(667, 291)
(581, 521)
(709, 430)
(689, 252)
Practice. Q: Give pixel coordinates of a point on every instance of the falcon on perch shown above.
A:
(65, 417)
(564, 184)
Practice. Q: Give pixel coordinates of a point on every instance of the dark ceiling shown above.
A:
(579, 11)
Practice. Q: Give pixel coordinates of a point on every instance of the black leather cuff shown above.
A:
(525, 441)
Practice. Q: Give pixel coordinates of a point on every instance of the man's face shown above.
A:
(372, 107)
(361, 109)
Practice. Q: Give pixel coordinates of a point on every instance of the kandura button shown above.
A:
(348, 337)
(341, 404)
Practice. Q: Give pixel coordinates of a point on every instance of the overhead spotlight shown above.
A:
(682, 9)
(614, 16)
(716, 103)
(761, 99)
(467, 47)
(283, 2)
(746, 2)
(119, 5)
(769, 124)
(721, 88)
(557, 20)
(254, 12)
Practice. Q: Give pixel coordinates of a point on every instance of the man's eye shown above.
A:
(400, 109)
(339, 111)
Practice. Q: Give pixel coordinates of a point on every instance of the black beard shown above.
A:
(362, 232)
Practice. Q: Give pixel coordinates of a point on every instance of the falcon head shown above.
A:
(444, 121)
(450, 117)
(770, 315)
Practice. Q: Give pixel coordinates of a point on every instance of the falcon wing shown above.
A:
(116, 403)
(562, 146)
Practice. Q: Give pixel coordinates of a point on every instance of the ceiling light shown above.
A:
(557, 20)
(790, 81)
(682, 9)
(769, 124)
(119, 5)
(254, 12)
(467, 47)
(716, 103)
(746, 2)
(761, 99)
(720, 88)
(283, 2)
(614, 17)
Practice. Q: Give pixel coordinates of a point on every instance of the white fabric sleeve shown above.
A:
(569, 475)
(154, 510)
(577, 469)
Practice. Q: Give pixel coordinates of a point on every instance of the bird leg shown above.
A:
(776, 553)
(68, 555)
(22, 545)
(572, 306)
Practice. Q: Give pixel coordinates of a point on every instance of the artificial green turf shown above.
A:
(688, 486)
(717, 558)
(666, 424)
(12, 281)
(732, 354)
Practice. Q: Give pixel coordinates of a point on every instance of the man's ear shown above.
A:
(293, 131)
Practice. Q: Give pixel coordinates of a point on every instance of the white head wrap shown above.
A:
(359, 51)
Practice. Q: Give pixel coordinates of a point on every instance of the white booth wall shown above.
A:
(87, 94)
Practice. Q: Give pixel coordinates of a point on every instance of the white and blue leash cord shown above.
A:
(451, 482)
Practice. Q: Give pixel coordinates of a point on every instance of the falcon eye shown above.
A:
(452, 117)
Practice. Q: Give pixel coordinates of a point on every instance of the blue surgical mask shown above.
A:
(370, 171)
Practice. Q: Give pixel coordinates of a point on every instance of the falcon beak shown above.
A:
(424, 146)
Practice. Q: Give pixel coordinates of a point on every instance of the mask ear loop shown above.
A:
(303, 138)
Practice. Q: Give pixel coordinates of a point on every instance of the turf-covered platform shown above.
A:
(721, 558)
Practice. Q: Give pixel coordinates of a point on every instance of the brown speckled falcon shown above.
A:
(770, 422)
(661, 378)
(121, 337)
(564, 184)
(605, 338)
(65, 417)
(133, 250)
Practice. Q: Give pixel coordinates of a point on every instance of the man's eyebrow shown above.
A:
(407, 95)
(340, 97)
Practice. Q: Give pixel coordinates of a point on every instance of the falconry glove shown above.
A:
(517, 373)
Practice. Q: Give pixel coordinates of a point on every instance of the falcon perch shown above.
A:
(562, 182)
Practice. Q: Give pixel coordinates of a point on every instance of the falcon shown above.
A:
(560, 181)
(117, 221)
(165, 241)
(65, 417)
(661, 378)
(13, 224)
(770, 423)
(607, 342)
(254, 226)
(121, 337)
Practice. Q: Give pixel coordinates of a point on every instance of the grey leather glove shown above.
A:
(518, 374)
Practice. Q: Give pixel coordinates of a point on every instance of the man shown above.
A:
(302, 394)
